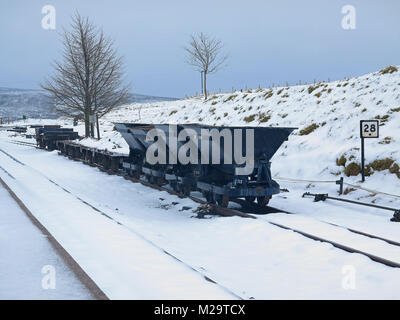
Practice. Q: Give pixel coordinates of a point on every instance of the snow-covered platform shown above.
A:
(27, 260)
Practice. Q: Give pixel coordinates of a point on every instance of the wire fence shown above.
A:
(372, 191)
(336, 182)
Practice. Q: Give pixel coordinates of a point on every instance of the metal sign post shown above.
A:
(368, 129)
(362, 160)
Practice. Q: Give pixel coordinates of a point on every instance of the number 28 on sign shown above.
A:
(368, 129)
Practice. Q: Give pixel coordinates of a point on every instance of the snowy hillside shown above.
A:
(327, 115)
(326, 144)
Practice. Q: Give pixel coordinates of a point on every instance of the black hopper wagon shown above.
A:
(218, 181)
(47, 136)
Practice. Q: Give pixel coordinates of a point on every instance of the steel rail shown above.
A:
(267, 210)
(233, 212)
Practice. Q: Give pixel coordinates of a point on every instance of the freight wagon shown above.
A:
(214, 170)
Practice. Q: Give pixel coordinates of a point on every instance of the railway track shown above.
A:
(262, 211)
(251, 210)
(95, 208)
(23, 143)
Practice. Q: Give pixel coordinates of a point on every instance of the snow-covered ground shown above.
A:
(250, 258)
(246, 257)
(27, 258)
(122, 263)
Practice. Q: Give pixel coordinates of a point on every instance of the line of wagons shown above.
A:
(218, 183)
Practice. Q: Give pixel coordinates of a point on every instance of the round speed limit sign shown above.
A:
(369, 129)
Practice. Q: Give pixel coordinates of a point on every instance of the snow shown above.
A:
(249, 257)
(313, 157)
(24, 251)
(337, 109)
(117, 259)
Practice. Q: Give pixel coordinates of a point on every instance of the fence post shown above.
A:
(340, 183)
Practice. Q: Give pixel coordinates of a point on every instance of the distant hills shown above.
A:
(141, 98)
(16, 103)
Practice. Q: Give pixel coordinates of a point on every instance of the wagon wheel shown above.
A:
(159, 181)
(180, 188)
(250, 199)
(209, 197)
(176, 188)
(136, 174)
(186, 189)
(223, 200)
(153, 180)
(172, 184)
(263, 201)
(106, 163)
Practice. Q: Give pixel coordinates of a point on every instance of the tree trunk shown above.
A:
(201, 82)
(92, 130)
(205, 85)
(98, 127)
(87, 128)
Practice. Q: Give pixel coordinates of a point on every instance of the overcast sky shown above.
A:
(267, 41)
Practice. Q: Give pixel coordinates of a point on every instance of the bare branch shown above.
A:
(204, 54)
(89, 79)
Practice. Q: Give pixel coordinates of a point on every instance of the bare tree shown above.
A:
(204, 54)
(88, 82)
